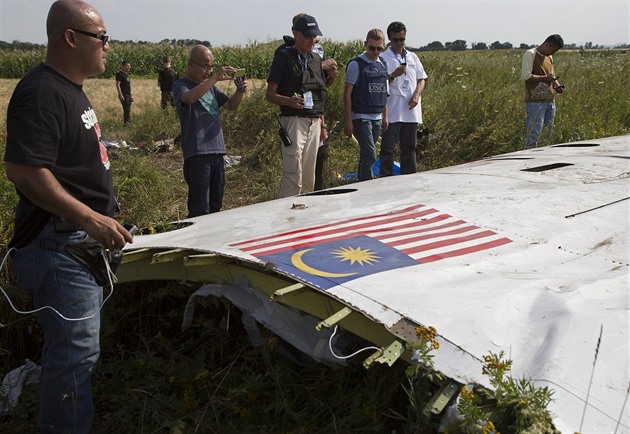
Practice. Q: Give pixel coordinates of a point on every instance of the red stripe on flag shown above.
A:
(439, 244)
(418, 231)
(464, 251)
(429, 236)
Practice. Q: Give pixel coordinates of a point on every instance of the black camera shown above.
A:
(286, 140)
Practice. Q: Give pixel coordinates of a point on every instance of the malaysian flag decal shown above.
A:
(331, 254)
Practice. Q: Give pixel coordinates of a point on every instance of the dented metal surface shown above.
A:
(494, 255)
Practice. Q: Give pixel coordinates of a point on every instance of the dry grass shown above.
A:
(137, 177)
(102, 94)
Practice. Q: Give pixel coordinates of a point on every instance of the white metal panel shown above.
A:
(542, 298)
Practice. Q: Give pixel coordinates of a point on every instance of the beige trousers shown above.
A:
(299, 159)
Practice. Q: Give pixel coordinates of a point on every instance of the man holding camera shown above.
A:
(197, 101)
(541, 84)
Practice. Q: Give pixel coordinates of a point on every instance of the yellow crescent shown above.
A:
(296, 260)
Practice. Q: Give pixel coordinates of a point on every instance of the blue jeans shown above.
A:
(539, 115)
(405, 133)
(71, 348)
(366, 132)
(205, 176)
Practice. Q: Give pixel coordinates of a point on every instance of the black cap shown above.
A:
(307, 25)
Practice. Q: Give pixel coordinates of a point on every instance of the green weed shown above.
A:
(156, 378)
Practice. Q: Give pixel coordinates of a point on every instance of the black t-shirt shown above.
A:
(166, 78)
(125, 83)
(51, 124)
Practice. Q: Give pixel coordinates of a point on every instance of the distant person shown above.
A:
(123, 86)
(197, 101)
(404, 110)
(541, 85)
(297, 82)
(322, 150)
(365, 100)
(166, 77)
(56, 159)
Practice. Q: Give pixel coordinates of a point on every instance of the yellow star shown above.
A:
(356, 255)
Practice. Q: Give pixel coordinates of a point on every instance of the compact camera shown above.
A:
(239, 76)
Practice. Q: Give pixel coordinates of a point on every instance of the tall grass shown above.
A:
(155, 378)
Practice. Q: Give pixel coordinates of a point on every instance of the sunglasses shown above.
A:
(103, 38)
(398, 40)
(379, 49)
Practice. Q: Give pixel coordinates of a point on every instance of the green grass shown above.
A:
(156, 378)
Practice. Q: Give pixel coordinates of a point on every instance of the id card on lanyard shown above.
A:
(406, 85)
(308, 96)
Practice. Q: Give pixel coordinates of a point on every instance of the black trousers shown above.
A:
(126, 104)
(322, 157)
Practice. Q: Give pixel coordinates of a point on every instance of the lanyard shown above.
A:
(303, 62)
(403, 56)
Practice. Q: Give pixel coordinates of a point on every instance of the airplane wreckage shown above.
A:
(525, 253)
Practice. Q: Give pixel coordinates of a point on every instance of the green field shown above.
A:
(154, 378)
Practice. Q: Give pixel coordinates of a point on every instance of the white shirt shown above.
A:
(402, 88)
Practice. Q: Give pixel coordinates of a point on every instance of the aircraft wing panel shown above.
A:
(525, 253)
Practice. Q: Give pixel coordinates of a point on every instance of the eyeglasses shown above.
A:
(103, 38)
(205, 67)
(398, 40)
(379, 49)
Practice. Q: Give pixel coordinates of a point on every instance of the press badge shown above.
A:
(405, 85)
(308, 100)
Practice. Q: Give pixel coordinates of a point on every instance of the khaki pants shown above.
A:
(299, 159)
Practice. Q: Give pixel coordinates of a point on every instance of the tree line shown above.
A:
(457, 45)
(461, 45)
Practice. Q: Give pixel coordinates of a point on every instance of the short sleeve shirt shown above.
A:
(51, 124)
(201, 121)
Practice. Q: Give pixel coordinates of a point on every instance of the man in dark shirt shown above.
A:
(297, 83)
(166, 77)
(123, 86)
(59, 165)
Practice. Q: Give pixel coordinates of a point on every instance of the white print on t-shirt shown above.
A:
(90, 122)
(89, 118)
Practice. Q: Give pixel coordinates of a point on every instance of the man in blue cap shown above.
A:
(297, 82)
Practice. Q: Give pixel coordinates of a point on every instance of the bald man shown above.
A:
(65, 215)
(197, 101)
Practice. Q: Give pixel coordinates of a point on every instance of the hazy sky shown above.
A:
(239, 22)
